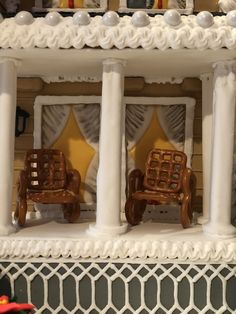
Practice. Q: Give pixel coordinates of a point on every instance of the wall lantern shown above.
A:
(21, 118)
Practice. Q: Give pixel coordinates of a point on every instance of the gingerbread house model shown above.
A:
(114, 48)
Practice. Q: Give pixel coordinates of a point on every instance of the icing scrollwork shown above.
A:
(158, 34)
(207, 251)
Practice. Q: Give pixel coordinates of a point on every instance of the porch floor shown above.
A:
(149, 240)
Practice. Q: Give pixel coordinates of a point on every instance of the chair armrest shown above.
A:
(22, 184)
(135, 181)
(74, 180)
(186, 182)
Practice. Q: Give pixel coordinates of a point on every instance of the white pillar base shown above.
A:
(7, 230)
(220, 230)
(105, 231)
(201, 220)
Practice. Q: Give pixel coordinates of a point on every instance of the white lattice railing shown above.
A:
(122, 287)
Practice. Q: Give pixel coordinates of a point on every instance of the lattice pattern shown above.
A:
(164, 170)
(137, 287)
(45, 169)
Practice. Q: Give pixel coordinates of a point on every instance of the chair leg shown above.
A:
(134, 210)
(186, 213)
(71, 211)
(20, 213)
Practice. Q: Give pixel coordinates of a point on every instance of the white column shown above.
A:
(123, 5)
(224, 101)
(207, 113)
(108, 221)
(8, 81)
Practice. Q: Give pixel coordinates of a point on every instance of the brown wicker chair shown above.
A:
(45, 180)
(166, 180)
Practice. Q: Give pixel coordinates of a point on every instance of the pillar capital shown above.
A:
(114, 61)
(16, 62)
(222, 68)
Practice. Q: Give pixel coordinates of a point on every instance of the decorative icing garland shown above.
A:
(90, 79)
(159, 32)
(66, 78)
(206, 251)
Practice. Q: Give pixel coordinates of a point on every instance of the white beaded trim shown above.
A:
(158, 34)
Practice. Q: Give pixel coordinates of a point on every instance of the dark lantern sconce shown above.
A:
(21, 117)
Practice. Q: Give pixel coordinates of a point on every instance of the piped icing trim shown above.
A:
(90, 79)
(66, 78)
(206, 251)
(158, 34)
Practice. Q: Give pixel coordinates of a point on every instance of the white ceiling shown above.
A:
(88, 62)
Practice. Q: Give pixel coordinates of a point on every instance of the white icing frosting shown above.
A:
(118, 249)
(227, 5)
(157, 35)
(66, 78)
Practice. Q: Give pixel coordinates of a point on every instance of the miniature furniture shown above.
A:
(46, 180)
(166, 180)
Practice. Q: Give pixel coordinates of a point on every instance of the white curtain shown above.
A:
(172, 121)
(171, 118)
(54, 119)
(137, 120)
(87, 116)
(88, 120)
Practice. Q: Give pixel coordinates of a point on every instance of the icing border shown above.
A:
(156, 35)
(186, 251)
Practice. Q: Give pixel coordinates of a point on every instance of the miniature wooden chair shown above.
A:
(166, 180)
(45, 180)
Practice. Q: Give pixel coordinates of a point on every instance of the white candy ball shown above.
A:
(205, 19)
(24, 18)
(53, 18)
(231, 18)
(81, 18)
(140, 19)
(172, 17)
(110, 18)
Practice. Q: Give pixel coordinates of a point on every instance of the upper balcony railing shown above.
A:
(152, 7)
(98, 6)
(156, 6)
(95, 6)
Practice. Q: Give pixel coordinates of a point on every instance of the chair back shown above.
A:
(164, 170)
(45, 169)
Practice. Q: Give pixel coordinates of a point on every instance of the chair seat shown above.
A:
(157, 197)
(52, 196)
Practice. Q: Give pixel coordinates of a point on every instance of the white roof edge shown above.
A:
(158, 34)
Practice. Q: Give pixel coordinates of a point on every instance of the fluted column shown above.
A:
(207, 113)
(224, 101)
(8, 81)
(108, 221)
